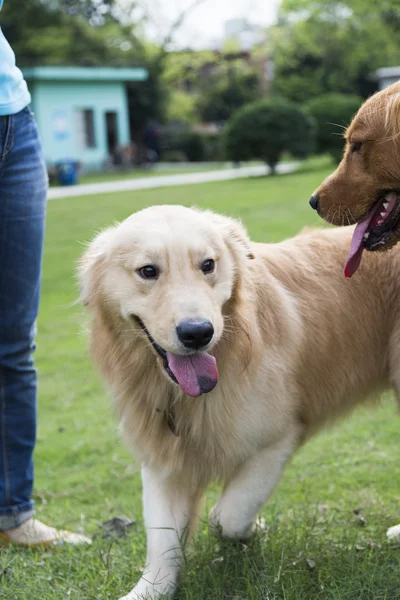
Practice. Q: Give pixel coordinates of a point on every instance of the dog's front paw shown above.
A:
(228, 527)
(393, 533)
(149, 588)
(142, 592)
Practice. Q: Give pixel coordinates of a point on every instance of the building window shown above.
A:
(84, 125)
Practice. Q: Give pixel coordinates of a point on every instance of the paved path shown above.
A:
(142, 183)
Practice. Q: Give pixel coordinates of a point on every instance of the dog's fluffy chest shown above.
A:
(195, 438)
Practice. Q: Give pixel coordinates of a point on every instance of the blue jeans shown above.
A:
(23, 188)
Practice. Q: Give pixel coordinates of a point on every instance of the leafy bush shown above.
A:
(332, 113)
(172, 137)
(174, 156)
(203, 147)
(267, 128)
(179, 138)
(194, 147)
(213, 147)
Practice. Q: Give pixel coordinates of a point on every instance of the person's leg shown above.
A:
(23, 188)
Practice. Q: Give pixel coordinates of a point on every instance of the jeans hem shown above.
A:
(15, 516)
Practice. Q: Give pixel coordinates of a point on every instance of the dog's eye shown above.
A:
(355, 147)
(148, 272)
(208, 266)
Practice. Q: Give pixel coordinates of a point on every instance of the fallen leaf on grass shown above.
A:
(360, 519)
(117, 527)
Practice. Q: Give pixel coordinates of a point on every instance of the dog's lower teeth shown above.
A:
(385, 205)
(365, 237)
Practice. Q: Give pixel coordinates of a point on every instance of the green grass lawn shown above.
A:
(316, 547)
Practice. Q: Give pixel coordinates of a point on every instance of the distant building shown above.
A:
(387, 75)
(247, 34)
(82, 112)
(244, 34)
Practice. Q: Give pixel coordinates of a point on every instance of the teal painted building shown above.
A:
(82, 112)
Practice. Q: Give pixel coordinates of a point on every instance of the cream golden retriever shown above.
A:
(365, 188)
(224, 356)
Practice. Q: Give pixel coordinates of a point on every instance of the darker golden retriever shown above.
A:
(365, 188)
(224, 356)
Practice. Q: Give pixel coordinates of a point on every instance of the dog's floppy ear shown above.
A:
(393, 113)
(90, 265)
(233, 233)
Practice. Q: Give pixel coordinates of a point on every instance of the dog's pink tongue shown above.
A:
(356, 248)
(196, 374)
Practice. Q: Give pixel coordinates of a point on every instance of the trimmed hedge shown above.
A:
(266, 129)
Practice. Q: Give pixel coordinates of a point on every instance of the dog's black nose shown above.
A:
(314, 202)
(195, 334)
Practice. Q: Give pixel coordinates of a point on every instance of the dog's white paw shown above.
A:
(133, 595)
(141, 593)
(228, 526)
(163, 588)
(393, 533)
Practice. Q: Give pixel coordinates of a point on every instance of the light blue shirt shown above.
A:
(14, 94)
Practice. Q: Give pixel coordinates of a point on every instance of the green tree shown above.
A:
(183, 76)
(228, 88)
(68, 32)
(92, 10)
(147, 100)
(322, 46)
(213, 86)
(181, 106)
(267, 128)
(92, 33)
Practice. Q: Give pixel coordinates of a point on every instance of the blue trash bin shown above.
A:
(67, 172)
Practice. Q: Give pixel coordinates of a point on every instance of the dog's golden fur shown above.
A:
(348, 194)
(298, 346)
